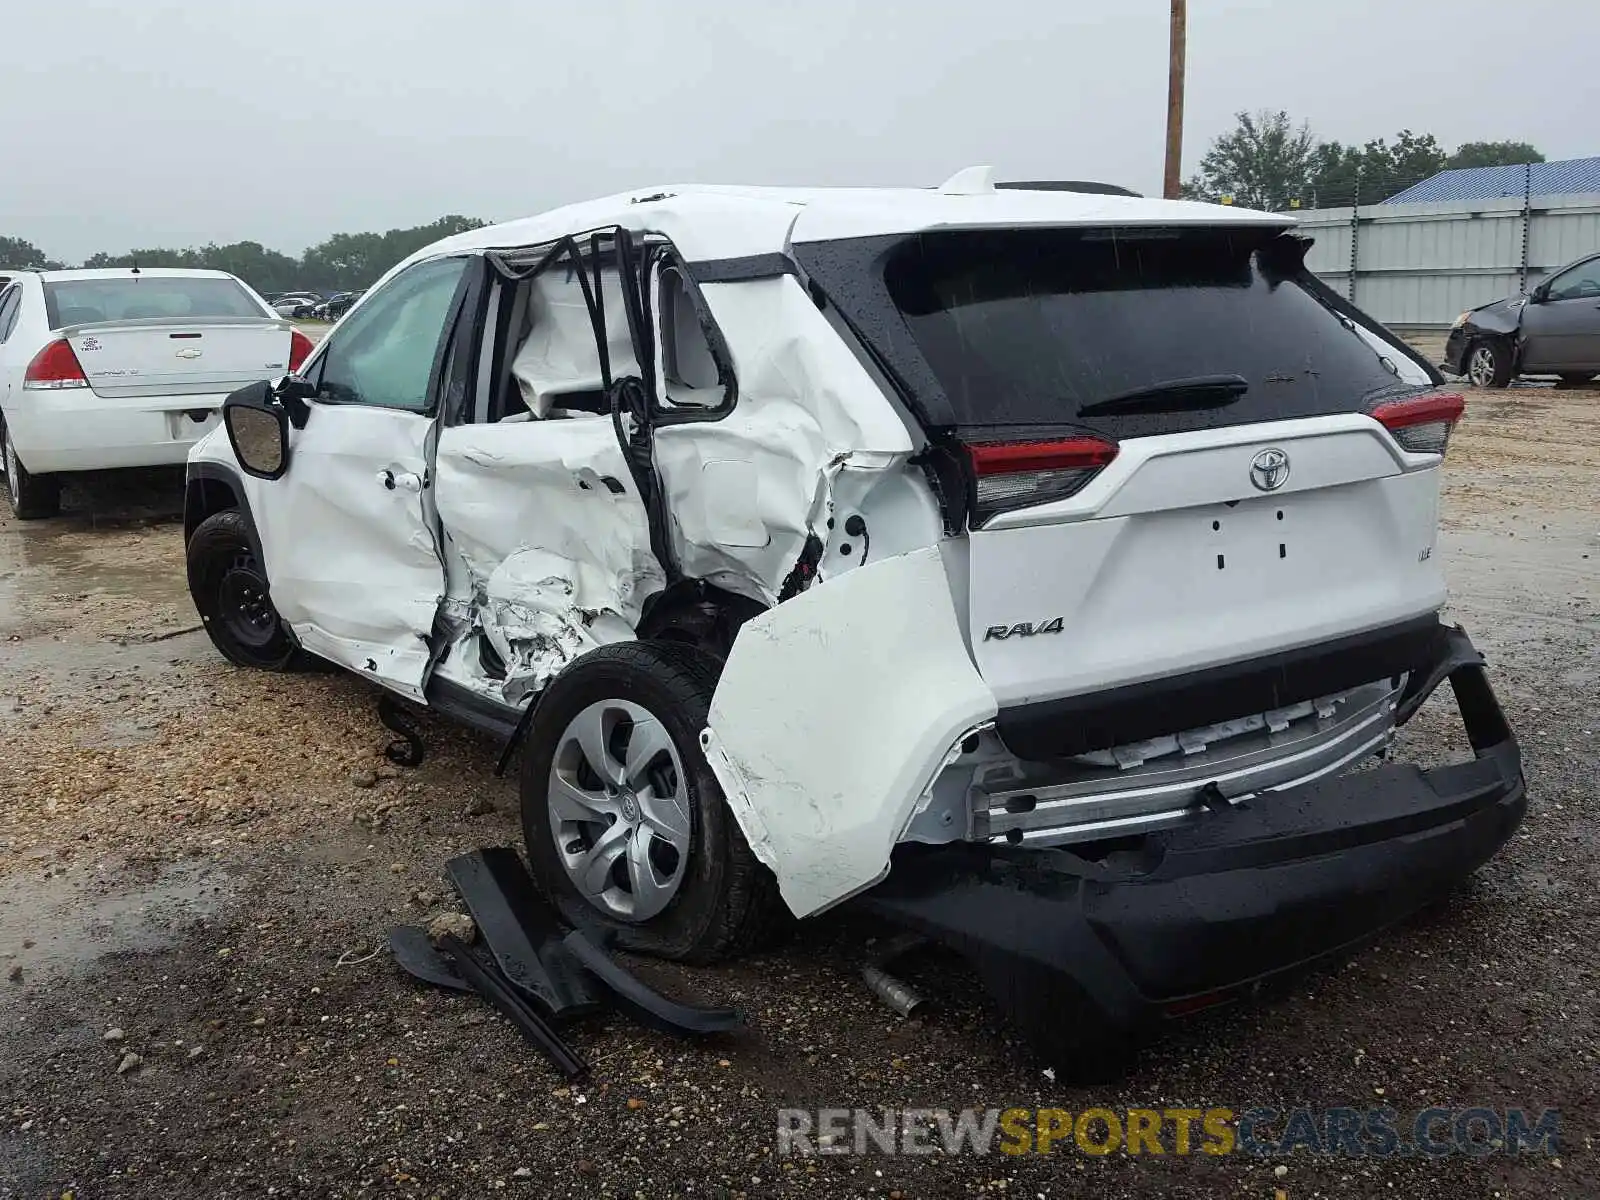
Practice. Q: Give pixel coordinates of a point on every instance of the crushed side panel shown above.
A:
(746, 490)
(552, 540)
(832, 717)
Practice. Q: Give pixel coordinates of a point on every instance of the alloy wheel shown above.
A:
(1481, 367)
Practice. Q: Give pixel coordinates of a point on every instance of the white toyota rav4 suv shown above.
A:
(124, 367)
(1036, 568)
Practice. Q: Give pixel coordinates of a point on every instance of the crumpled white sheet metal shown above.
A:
(834, 714)
(747, 490)
(557, 560)
(554, 569)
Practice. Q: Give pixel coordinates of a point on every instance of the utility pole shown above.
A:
(1174, 174)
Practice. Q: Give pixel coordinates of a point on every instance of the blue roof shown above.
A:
(1492, 183)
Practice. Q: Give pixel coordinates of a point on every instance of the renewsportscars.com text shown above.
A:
(1260, 1130)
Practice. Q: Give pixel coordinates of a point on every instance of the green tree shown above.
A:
(14, 252)
(263, 269)
(1343, 174)
(345, 261)
(356, 260)
(1492, 154)
(1264, 162)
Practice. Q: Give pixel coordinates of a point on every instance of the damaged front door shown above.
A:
(351, 547)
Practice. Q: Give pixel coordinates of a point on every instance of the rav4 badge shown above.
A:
(999, 633)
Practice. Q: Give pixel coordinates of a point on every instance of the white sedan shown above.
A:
(125, 367)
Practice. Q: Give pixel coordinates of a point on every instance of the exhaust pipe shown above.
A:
(895, 993)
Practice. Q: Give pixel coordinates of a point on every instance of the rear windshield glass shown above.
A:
(79, 301)
(1031, 327)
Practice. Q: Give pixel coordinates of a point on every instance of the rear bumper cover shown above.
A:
(1216, 907)
(78, 430)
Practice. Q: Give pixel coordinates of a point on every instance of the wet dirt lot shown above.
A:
(198, 866)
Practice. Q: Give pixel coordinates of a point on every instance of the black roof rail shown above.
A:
(1066, 185)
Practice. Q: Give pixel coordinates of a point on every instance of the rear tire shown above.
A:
(32, 496)
(1489, 364)
(723, 902)
(231, 594)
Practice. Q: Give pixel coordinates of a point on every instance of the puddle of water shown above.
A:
(39, 563)
(113, 539)
(47, 554)
(87, 911)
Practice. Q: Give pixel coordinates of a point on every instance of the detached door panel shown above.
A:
(350, 533)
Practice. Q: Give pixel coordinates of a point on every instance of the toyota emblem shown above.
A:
(1269, 470)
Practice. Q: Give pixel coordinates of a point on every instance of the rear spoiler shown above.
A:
(262, 322)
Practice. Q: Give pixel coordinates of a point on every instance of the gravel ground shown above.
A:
(198, 866)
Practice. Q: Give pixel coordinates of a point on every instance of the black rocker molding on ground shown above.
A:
(533, 970)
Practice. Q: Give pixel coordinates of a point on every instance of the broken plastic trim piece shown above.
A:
(493, 987)
(520, 930)
(516, 738)
(419, 958)
(647, 1006)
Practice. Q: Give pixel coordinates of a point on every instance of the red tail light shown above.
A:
(1011, 475)
(1422, 424)
(300, 348)
(56, 366)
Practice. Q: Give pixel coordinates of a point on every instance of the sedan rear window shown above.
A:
(1128, 332)
(81, 301)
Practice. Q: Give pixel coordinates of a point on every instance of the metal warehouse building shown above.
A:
(1458, 240)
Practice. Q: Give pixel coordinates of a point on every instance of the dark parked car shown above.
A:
(1552, 330)
(336, 306)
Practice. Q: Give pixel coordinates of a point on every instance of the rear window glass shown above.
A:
(1032, 327)
(80, 301)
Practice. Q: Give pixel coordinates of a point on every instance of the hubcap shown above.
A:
(12, 481)
(619, 809)
(1481, 371)
(246, 610)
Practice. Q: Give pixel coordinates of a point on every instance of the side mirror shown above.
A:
(1539, 294)
(258, 430)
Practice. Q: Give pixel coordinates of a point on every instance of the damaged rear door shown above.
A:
(349, 533)
(547, 540)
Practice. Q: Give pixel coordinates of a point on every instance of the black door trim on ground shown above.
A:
(1099, 720)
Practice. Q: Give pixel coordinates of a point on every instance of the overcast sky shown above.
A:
(175, 122)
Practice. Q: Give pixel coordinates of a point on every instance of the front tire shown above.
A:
(230, 592)
(626, 826)
(1489, 364)
(32, 496)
